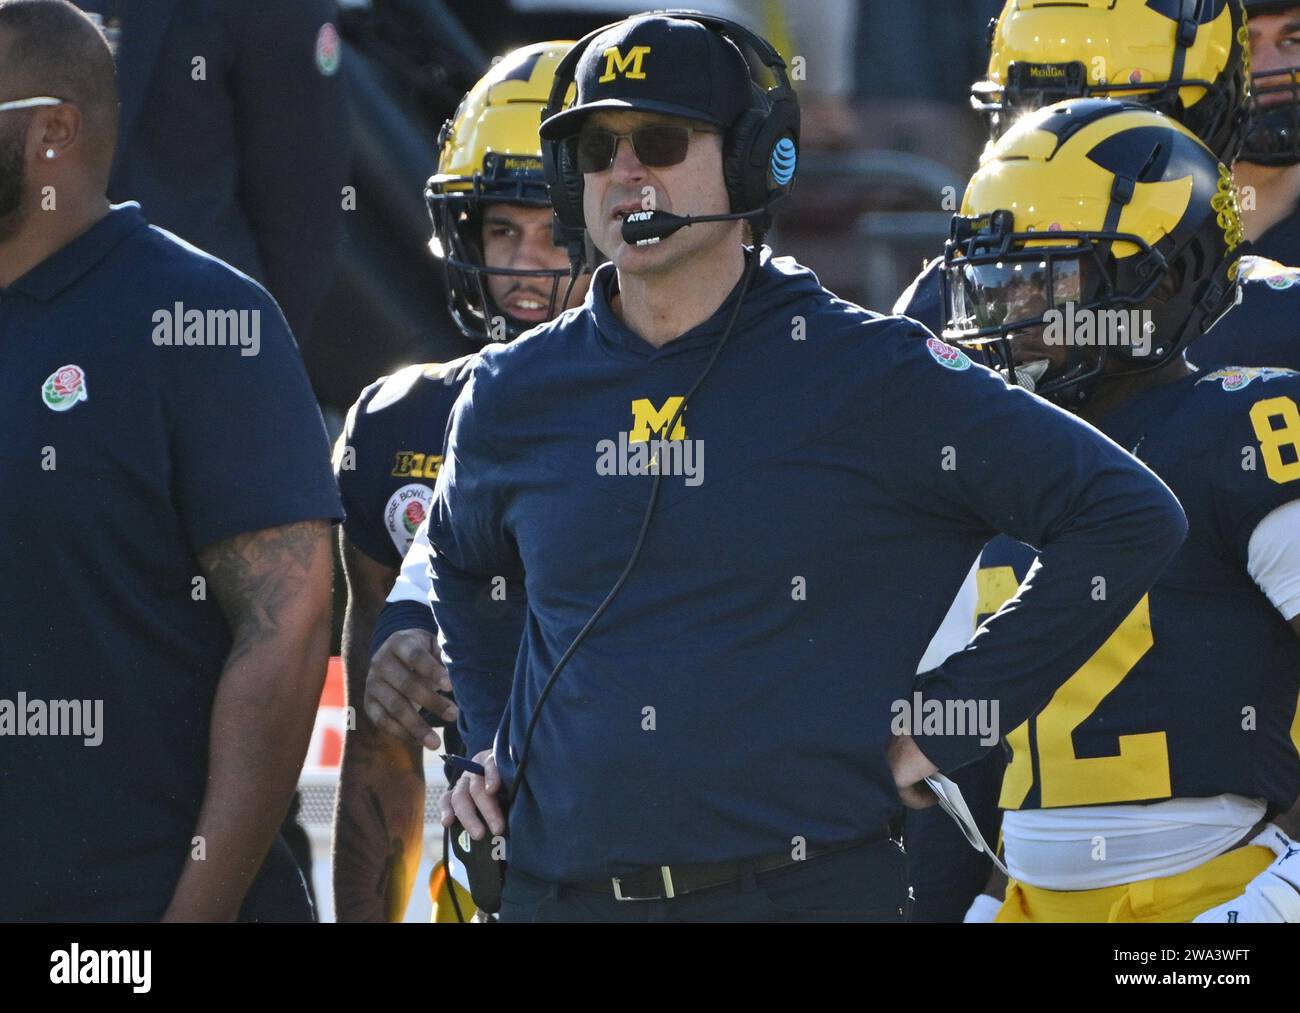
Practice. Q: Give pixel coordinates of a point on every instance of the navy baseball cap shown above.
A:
(658, 64)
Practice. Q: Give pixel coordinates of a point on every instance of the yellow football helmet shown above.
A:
(490, 151)
(1187, 58)
(1086, 206)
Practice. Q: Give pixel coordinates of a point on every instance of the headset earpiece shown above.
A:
(564, 183)
(563, 180)
(771, 155)
(737, 151)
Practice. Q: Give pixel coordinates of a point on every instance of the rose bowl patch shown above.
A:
(405, 512)
(327, 50)
(64, 388)
(946, 355)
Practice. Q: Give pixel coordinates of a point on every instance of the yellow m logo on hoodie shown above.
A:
(647, 420)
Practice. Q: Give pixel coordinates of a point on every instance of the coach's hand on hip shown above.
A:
(474, 800)
(406, 675)
(910, 768)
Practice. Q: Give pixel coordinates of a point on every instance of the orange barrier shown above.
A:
(326, 748)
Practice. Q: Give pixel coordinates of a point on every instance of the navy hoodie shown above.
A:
(737, 697)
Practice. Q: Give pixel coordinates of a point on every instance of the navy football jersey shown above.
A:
(1195, 694)
(1282, 241)
(388, 456)
(1265, 329)
(923, 299)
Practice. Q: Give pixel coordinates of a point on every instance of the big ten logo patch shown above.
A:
(411, 464)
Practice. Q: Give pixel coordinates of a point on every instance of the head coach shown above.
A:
(696, 724)
(166, 506)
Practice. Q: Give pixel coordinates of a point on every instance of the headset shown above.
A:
(760, 150)
(759, 161)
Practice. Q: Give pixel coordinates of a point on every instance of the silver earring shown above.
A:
(49, 152)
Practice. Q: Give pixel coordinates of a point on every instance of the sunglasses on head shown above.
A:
(656, 146)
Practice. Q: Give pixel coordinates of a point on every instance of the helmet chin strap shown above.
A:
(1184, 39)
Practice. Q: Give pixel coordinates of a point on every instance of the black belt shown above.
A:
(664, 882)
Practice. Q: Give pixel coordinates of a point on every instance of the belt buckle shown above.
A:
(667, 875)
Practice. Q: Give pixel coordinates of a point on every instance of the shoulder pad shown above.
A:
(391, 389)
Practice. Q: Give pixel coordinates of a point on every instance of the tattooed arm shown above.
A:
(379, 823)
(274, 588)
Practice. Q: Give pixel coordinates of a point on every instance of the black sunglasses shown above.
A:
(656, 146)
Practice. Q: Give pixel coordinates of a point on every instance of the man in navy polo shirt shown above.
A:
(167, 499)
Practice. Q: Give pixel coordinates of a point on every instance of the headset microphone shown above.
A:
(644, 228)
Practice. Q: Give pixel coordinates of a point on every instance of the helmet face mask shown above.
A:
(489, 154)
(1033, 86)
(1273, 127)
(1008, 292)
(1095, 238)
(1196, 70)
(457, 217)
(1273, 131)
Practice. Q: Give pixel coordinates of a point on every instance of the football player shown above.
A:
(1047, 52)
(1270, 156)
(492, 233)
(1267, 173)
(1146, 788)
(1197, 71)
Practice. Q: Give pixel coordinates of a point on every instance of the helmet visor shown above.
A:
(989, 298)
